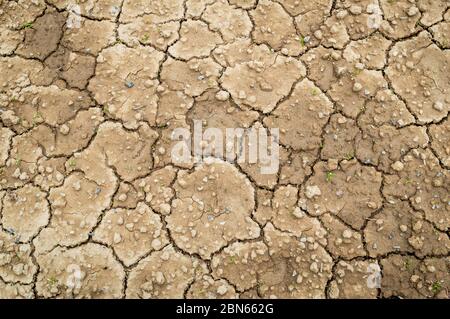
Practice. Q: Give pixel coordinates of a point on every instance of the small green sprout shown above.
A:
(408, 181)
(37, 118)
(145, 38)
(18, 161)
(330, 176)
(356, 72)
(436, 287)
(106, 110)
(302, 41)
(349, 156)
(72, 163)
(52, 281)
(408, 264)
(26, 25)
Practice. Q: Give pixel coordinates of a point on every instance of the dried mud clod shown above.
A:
(92, 204)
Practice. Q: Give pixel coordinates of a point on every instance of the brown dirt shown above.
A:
(92, 205)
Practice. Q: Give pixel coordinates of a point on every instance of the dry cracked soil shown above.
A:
(92, 206)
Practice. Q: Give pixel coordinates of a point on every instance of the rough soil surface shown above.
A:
(92, 205)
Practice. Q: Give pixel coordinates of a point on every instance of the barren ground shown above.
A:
(92, 205)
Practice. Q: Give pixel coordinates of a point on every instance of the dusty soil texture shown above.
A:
(92, 205)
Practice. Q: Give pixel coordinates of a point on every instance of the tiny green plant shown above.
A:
(72, 163)
(408, 264)
(330, 176)
(27, 25)
(356, 72)
(435, 203)
(18, 161)
(37, 117)
(408, 181)
(302, 41)
(52, 281)
(349, 156)
(314, 91)
(436, 287)
(145, 38)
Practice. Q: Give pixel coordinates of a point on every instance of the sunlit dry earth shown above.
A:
(92, 204)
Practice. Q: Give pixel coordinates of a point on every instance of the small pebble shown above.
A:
(398, 166)
(222, 95)
(357, 87)
(64, 129)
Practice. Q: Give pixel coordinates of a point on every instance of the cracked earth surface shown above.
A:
(92, 206)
